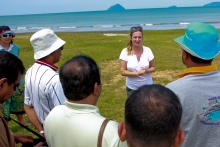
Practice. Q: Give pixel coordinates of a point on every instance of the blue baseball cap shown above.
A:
(200, 40)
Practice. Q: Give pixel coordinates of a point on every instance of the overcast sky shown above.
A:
(17, 7)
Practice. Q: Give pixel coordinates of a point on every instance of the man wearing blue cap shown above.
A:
(198, 87)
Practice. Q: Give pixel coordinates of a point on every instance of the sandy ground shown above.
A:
(115, 34)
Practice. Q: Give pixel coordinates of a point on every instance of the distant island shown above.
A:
(213, 4)
(116, 7)
(172, 6)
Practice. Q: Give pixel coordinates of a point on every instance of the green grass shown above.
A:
(105, 50)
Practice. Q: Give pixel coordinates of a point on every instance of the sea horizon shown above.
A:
(104, 20)
(107, 10)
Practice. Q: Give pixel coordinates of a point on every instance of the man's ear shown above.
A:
(2, 81)
(122, 131)
(179, 138)
(95, 90)
(186, 55)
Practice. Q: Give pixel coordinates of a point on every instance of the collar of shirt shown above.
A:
(82, 108)
(198, 70)
(43, 62)
(9, 49)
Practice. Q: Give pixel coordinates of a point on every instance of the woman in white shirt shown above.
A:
(136, 62)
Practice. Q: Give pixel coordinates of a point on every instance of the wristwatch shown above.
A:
(41, 132)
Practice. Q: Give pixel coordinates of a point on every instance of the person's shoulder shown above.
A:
(173, 84)
(111, 135)
(30, 68)
(56, 110)
(123, 54)
(112, 124)
(16, 46)
(46, 73)
(124, 50)
(180, 84)
(216, 72)
(46, 70)
(146, 48)
(43, 69)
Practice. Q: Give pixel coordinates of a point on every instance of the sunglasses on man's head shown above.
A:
(139, 28)
(16, 86)
(7, 35)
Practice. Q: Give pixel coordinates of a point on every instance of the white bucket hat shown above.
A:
(45, 42)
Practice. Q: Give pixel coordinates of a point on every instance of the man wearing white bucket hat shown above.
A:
(198, 87)
(43, 90)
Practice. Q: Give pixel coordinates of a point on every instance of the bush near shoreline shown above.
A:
(105, 50)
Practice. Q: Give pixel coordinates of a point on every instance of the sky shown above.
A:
(19, 7)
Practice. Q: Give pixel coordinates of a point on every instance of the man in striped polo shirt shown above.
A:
(43, 90)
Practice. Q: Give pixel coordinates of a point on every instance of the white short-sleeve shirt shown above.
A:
(78, 125)
(134, 65)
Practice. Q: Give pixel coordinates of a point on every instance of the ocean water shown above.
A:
(149, 19)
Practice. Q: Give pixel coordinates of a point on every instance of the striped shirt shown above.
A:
(43, 89)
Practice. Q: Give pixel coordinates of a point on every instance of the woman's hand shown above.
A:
(142, 72)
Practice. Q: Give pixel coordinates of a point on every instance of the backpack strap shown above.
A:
(101, 131)
(26, 127)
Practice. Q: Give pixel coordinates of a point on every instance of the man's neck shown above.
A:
(48, 59)
(197, 65)
(90, 100)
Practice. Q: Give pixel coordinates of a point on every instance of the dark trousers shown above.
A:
(129, 91)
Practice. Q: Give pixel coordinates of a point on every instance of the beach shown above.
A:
(105, 47)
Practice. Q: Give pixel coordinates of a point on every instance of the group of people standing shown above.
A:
(62, 107)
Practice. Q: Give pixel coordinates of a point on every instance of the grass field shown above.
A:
(105, 49)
